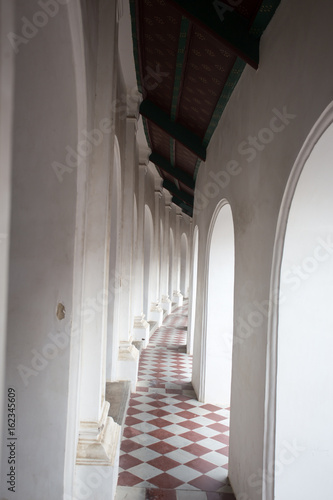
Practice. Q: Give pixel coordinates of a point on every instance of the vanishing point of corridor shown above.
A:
(173, 447)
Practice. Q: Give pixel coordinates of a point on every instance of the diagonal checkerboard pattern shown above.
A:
(173, 447)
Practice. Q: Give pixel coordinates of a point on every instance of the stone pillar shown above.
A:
(128, 358)
(165, 299)
(156, 311)
(140, 329)
(177, 296)
(187, 222)
(99, 435)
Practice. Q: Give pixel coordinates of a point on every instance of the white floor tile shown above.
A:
(216, 458)
(211, 444)
(205, 431)
(145, 471)
(144, 454)
(184, 473)
(180, 456)
(178, 441)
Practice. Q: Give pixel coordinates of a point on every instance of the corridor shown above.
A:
(173, 447)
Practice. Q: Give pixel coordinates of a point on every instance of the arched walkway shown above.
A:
(300, 456)
(218, 332)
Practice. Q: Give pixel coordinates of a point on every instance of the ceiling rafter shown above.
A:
(224, 24)
(182, 134)
(187, 209)
(177, 173)
(170, 186)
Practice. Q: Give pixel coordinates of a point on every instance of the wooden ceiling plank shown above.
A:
(170, 186)
(177, 173)
(185, 208)
(225, 24)
(180, 133)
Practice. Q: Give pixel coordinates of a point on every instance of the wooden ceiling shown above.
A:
(189, 56)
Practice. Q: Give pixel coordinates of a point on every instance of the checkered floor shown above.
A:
(173, 447)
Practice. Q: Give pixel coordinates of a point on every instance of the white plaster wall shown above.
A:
(6, 106)
(291, 60)
(42, 253)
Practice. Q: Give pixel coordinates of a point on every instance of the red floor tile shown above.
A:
(189, 425)
(127, 479)
(159, 422)
(219, 427)
(127, 461)
(161, 434)
(165, 481)
(128, 445)
(193, 436)
(129, 432)
(162, 448)
(205, 483)
(201, 465)
(154, 494)
(196, 449)
(163, 463)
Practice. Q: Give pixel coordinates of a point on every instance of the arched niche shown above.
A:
(298, 431)
(218, 319)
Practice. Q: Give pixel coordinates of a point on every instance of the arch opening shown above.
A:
(304, 323)
(218, 333)
(148, 253)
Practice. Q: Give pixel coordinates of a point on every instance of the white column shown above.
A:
(187, 221)
(141, 326)
(165, 299)
(156, 311)
(177, 296)
(99, 435)
(128, 358)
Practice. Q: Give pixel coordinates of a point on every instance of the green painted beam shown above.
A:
(185, 208)
(177, 173)
(170, 186)
(224, 23)
(190, 140)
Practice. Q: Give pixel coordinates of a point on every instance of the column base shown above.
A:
(156, 313)
(128, 363)
(166, 304)
(141, 329)
(98, 441)
(95, 481)
(177, 298)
